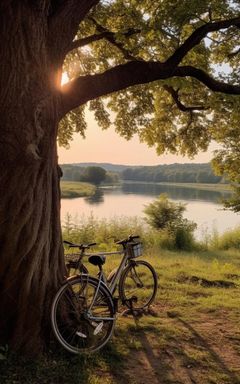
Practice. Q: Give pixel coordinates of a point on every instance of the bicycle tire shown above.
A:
(138, 285)
(79, 328)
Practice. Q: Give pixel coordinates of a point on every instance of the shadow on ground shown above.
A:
(147, 349)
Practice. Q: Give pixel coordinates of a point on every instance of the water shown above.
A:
(203, 206)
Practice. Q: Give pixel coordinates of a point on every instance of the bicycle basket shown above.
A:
(135, 250)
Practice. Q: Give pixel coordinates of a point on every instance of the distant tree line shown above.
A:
(95, 175)
(174, 173)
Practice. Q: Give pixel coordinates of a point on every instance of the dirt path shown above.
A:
(206, 351)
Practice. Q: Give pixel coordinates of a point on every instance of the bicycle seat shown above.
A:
(97, 260)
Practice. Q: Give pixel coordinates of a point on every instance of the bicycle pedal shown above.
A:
(98, 329)
(80, 334)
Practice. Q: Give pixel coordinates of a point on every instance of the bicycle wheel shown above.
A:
(82, 315)
(138, 285)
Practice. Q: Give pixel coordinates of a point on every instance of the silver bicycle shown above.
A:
(83, 311)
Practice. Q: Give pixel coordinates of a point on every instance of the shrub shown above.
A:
(165, 215)
(229, 239)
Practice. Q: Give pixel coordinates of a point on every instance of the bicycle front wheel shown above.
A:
(138, 285)
(83, 315)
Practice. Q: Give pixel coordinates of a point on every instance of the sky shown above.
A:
(108, 147)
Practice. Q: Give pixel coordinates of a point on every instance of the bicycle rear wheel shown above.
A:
(82, 315)
(138, 285)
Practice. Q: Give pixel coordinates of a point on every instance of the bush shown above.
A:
(229, 239)
(105, 231)
(165, 215)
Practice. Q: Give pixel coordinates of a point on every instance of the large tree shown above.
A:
(163, 61)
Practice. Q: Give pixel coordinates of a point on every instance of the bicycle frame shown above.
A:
(113, 284)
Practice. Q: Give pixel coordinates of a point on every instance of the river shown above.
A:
(203, 206)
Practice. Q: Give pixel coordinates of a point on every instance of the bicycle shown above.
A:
(83, 312)
(84, 322)
(136, 280)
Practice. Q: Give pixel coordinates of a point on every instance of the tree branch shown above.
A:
(105, 34)
(64, 22)
(85, 88)
(175, 95)
(196, 37)
(204, 78)
(111, 38)
(87, 40)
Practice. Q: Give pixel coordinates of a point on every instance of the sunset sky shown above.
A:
(108, 147)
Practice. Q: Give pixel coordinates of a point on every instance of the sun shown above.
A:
(65, 78)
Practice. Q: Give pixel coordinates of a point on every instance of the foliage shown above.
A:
(228, 240)
(79, 173)
(153, 31)
(105, 232)
(94, 175)
(226, 161)
(112, 178)
(179, 114)
(176, 173)
(163, 214)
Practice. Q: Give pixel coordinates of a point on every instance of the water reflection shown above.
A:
(203, 206)
(97, 198)
(174, 192)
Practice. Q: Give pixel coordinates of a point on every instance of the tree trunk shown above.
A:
(31, 255)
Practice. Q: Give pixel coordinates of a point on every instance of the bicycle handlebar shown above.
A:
(80, 246)
(128, 239)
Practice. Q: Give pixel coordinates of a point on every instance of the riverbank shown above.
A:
(190, 335)
(71, 189)
(213, 187)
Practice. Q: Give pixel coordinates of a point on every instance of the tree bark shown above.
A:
(31, 255)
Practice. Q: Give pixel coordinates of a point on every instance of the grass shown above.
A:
(71, 189)
(191, 334)
(229, 239)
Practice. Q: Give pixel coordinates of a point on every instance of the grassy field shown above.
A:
(70, 189)
(191, 335)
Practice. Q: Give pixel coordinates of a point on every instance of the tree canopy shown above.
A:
(179, 62)
(174, 70)
(95, 175)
